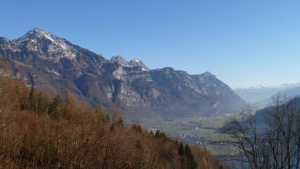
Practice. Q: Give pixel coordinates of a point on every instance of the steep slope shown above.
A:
(52, 63)
(49, 62)
(262, 115)
(99, 143)
(292, 91)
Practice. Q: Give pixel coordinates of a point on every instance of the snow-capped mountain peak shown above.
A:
(38, 40)
(36, 33)
(120, 60)
(138, 63)
(132, 63)
(207, 73)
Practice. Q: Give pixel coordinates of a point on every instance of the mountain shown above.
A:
(283, 108)
(132, 63)
(257, 94)
(264, 93)
(50, 63)
(293, 91)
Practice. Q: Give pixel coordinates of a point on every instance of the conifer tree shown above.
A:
(191, 163)
(54, 107)
(187, 160)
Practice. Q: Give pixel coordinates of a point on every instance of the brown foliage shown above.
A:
(79, 137)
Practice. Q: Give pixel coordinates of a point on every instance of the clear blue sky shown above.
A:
(243, 42)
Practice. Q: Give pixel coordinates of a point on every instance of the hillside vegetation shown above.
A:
(38, 130)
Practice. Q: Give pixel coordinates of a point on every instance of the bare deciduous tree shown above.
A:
(271, 143)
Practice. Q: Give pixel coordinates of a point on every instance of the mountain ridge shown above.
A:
(132, 63)
(264, 93)
(52, 63)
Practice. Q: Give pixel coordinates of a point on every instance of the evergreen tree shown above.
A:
(187, 160)
(42, 104)
(191, 163)
(181, 150)
(31, 103)
(55, 107)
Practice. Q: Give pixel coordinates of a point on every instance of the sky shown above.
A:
(244, 43)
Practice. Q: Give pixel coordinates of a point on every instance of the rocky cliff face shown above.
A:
(132, 63)
(52, 63)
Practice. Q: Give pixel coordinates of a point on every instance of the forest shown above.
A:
(39, 129)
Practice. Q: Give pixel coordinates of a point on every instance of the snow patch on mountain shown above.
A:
(132, 63)
(38, 40)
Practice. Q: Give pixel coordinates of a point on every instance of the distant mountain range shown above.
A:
(50, 63)
(264, 93)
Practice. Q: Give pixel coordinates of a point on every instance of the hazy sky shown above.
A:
(243, 42)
